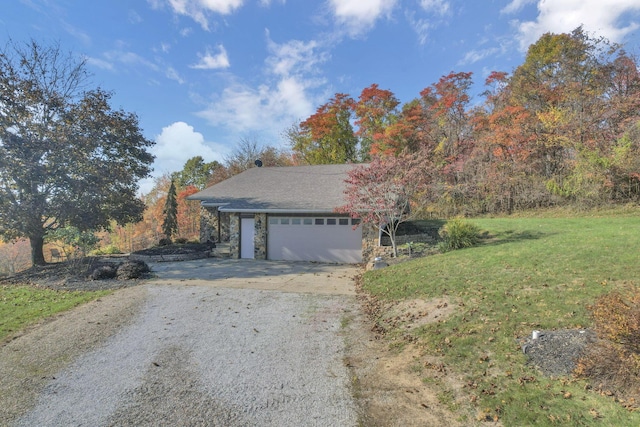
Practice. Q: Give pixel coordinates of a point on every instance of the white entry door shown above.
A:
(247, 231)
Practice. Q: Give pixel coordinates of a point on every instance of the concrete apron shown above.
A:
(284, 276)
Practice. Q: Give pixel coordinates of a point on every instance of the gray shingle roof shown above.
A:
(317, 188)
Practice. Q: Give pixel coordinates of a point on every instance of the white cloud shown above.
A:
(210, 61)
(515, 6)
(172, 74)
(596, 16)
(440, 7)
(198, 10)
(359, 16)
(422, 27)
(179, 142)
(100, 63)
(478, 55)
(134, 17)
(294, 57)
(176, 144)
(129, 58)
(267, 3)
(293, 68)
(270, 110)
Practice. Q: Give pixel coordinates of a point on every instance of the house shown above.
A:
(284, 213)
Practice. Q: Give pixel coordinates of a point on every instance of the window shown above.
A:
(331, 221)
(284, 221)
(307, 221)
(295, 221)
(355, 221)
(273, 221)
(319, 221)
(344, 221)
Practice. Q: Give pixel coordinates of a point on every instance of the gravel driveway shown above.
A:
(202, 354)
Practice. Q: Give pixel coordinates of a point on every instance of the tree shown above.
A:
(78, 241)
(188, 214)
(170, 213)
(327, 136)
(375, 112)
(248, 151)
(386, 192)
(196, 173)
(66, 157)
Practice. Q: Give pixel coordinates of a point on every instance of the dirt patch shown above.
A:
(411, 314)
(395, 385)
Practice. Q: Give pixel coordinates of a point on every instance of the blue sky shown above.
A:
(204, 74)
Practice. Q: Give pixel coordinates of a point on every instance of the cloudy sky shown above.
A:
(204, 74)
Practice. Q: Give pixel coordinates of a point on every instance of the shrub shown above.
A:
(107, 250)
(164, 242)
(457, 234)
(181, 240)
(613, 362)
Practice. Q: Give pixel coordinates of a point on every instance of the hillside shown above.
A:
(528, 274)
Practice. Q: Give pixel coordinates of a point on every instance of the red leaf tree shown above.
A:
(386, 192)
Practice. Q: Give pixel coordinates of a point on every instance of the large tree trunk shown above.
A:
(37, 256)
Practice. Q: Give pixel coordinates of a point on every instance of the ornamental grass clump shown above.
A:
(458, 234)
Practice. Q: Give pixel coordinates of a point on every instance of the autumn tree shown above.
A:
(170, 213)
(14, 257)
(553, 125)
(386, 192)
(66, 157)
(446, 124)
(375, 111)
(188, 213)
(326, 137)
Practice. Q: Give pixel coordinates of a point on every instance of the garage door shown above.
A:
(321, 239)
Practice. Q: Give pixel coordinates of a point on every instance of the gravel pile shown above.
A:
(555, 353)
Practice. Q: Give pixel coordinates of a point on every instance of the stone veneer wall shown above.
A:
(369, 242)
(415, 238)
(209, 225)
(260, 236)
(234, 236)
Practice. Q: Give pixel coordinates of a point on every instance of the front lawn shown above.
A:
(21, 306)
(529, 274)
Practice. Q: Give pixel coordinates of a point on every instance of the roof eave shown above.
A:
(278, 211)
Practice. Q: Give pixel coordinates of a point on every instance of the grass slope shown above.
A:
(532, 273)
(21, 306)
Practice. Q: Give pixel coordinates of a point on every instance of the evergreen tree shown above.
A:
(170, 212)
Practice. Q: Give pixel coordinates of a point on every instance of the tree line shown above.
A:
(561, 128)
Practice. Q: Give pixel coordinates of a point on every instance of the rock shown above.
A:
(132, 270)
(104, 272)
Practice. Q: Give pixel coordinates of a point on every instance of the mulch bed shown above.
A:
(71, 275)
(184, 249)
(75, 274)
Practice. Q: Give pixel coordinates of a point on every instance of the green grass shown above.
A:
(21, 306)
(531, 273)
